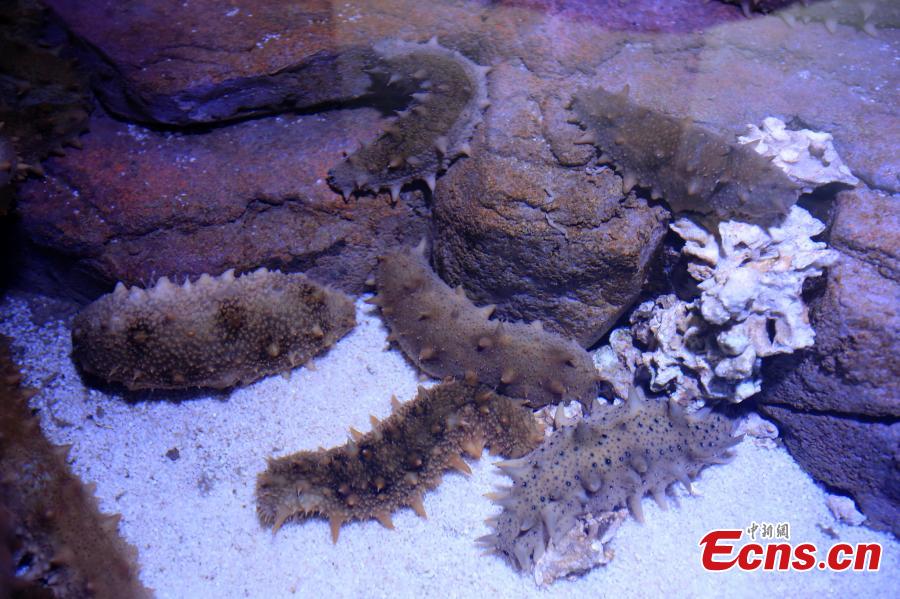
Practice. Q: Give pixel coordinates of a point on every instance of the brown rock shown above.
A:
(541, 241)
(852, 369)
(852, 456)
(839, 402)
(203, 61)
(181, 63)
(136, 204)
(551, 244)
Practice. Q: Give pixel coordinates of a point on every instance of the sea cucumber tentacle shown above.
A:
(692, 168)
(449, 94)
(214, 332)
(608, 461)
(443, 333)
(374, 474)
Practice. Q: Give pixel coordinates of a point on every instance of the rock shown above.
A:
(136, 204)
(180, 63)
(539, 240)
(856, 457)
(203, 61)
(547, 244)
(852, 369)
(838, 402)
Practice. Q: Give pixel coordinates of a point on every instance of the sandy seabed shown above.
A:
(191, 513)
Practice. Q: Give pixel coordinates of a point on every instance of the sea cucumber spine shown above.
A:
(448, 96)
(402, 457)
(214, 332)
(609, 460)
(445, 334)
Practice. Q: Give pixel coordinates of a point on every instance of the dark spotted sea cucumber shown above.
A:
(391, 467)
(216, 332)
(692, 168)
(448, 93)
(54, 541)
(445, 334)
(607, 461)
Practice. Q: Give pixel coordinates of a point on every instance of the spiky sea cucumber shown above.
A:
(216, 332)
(54, 541)
(445, 334)
(392, 466)
(449, 94)
(607, 461)
(691, 167)
(865, 15)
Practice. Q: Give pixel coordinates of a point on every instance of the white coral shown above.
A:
(757, 279)
(584, 547)
(808, 157)
(750, 306)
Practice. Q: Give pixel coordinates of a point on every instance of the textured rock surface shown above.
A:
(842, 397)
(853, 367)
(545, 243)
(176, 62)
(867, 466)
(136, 204)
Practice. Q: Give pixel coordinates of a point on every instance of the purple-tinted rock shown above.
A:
(174, 62)
(181, 62)
(860, 458)
(135, 204)
(852, 369)
(839, 401)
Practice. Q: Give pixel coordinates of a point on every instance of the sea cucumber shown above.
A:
(392, 466)
(216, 332)
(445, 334)
(54, 541)
(689, 166)
(766, 6)
(448, 96)
(865, 15)
(609, 460)
(45, 101)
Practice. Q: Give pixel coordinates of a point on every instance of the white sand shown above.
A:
(193, 519)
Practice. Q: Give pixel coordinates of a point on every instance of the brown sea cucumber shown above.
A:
(448, 94)
(690, 167)
(607, 461)
(215, 332)
(445, 334)
(392, 466)
(54, 542)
